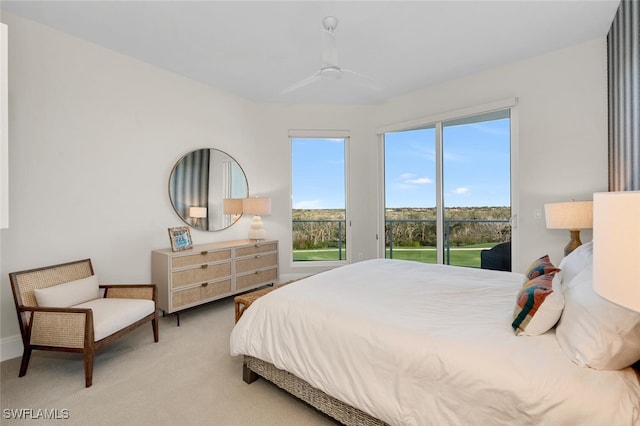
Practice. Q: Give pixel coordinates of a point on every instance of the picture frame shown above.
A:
(180, 237)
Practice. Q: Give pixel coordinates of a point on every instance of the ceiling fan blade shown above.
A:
(365, 80)
(302, 83)
(329, 50)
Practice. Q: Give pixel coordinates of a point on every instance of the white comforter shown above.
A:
(418, 344)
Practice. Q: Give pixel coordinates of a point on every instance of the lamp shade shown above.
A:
(232, 205)
(616, 244)
(198, 212)
(569, 215)
(258, 206)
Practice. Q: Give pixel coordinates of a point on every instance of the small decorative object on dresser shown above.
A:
(180, 238)
(208, 272)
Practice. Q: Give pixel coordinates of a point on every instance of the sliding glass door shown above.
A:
(447, 189)
(410, 194)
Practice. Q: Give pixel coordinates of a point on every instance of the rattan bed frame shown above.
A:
(344, 413)
(253, 368)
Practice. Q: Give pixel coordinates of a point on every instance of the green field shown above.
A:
(461, 256)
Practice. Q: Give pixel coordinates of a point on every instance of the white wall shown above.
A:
(94, 135)
(562, 131)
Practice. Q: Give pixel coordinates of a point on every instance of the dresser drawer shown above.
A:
(256, 249)
(197, 294)
(257, 278)
(258, 261)
(200, 274)
(199, 258)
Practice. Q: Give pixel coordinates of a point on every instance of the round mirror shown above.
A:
(206, 188)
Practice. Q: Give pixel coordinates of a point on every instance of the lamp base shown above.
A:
(574, 243)
(257, 231)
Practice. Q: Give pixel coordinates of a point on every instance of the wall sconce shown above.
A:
(232, 206)
(257, 206)
(616, 244)
(198, 212)
(572, 215)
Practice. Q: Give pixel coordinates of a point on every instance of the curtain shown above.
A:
(623, 51)
(190, 185)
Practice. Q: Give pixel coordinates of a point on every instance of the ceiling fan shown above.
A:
(329, 68)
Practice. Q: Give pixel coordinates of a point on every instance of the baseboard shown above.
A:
(10, 347)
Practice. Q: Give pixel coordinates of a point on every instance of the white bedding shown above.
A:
(419, 344)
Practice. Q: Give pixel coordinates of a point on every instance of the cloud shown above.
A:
(461, 190)
(410, 179)
(419, 181)
(308, 204)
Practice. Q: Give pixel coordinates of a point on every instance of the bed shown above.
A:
(405, 343)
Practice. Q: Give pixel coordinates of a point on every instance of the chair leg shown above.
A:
(88, 366)
(154, 324)
(26, 356)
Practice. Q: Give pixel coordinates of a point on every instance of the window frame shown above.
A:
(437, 121)
(321, 134)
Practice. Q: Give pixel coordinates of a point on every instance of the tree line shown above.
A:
(407, 227)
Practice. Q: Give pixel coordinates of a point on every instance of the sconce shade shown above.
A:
(232, 205)
(616, 244)
(198, 212)
(258, 206)
(569, 215)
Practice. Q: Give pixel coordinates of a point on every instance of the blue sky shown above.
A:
(476, 168)
(318, 173)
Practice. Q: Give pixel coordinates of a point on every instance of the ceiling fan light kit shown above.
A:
(330, 23)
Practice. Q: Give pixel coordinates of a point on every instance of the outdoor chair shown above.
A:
(497, 258)
(63, 308)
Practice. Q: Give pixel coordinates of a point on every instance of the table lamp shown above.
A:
(232, 206)
(257, 206)
(198, 213)
(616, 245)
(571, 215)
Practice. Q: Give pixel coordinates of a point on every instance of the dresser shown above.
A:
(212, 271)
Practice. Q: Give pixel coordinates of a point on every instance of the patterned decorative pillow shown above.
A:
(540, 267)
(539, 306)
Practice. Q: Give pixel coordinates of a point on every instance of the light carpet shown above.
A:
(187, 378)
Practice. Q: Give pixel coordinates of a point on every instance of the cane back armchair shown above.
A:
(54, 316)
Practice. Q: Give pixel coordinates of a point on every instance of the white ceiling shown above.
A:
(257, 49)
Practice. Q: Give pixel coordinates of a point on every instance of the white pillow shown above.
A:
(68, 294)
(594, 332)
(575, 262)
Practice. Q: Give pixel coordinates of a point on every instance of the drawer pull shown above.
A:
(257, 245)
(205, 266)
(205, 284)
(258, 272)
(204, 253)
(257, 256)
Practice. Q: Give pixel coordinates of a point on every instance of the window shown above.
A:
(447, 189)
(318, 195)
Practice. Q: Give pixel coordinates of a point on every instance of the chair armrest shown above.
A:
(59, 327)
(130, 291)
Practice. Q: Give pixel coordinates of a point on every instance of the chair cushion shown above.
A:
(68, 294)
(111, 315)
